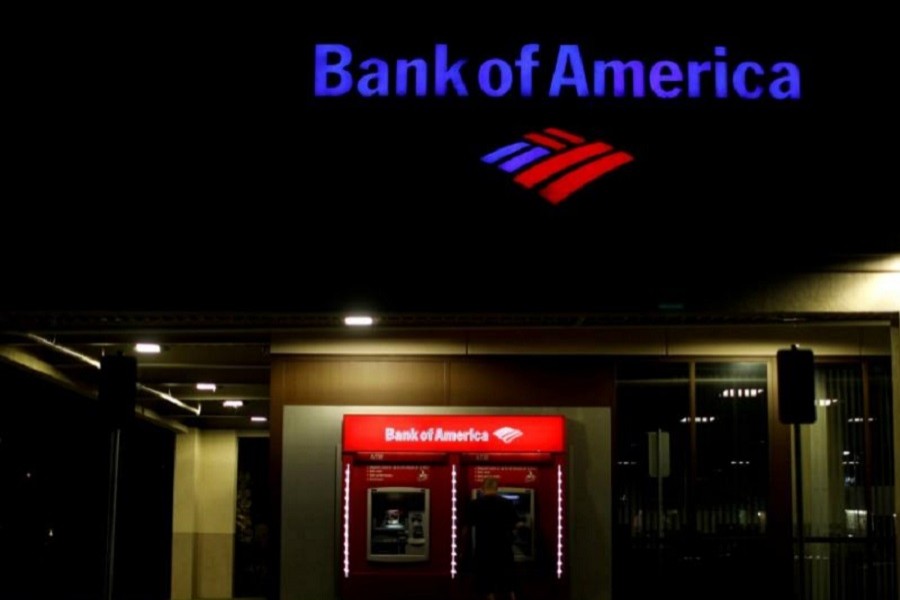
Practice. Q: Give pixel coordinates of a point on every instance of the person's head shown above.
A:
(490, 485)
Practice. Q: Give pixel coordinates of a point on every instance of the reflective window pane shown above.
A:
(732, 448)
(847, 459)
(651, 507)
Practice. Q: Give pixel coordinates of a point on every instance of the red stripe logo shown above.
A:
(556, 163)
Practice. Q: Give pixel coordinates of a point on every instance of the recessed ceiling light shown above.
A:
(258, 419)
(358, 321)
(145, 348)
(233, 404)
(207, 387)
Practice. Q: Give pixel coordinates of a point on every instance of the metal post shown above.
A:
(659, 486)
(114, 447)
(801, 551)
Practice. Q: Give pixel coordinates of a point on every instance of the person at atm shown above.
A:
(491, 519)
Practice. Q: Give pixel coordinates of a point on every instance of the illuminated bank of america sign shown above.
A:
(562, 71)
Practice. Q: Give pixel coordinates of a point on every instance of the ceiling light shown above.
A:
(258, 419)
(144, 348)
(358, 321)
(233, 404)
(206, 387)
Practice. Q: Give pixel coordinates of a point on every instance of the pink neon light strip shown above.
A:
(453, 521)
(559, 522)
(347, 522)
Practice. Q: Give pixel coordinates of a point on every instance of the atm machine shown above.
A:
(405, 480)
(395, 530)
(397, 521)
(535, 483)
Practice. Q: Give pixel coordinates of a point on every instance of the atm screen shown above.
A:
(398, 524)
(523, 500)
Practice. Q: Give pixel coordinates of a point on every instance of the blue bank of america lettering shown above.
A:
(339, 73)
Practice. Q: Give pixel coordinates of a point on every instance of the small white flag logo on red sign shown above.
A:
(508, 434)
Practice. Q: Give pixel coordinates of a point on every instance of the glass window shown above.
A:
(834, 455)
(848, 491)
(699, 523)
(658, 402)
(691, 511)
(732, 448)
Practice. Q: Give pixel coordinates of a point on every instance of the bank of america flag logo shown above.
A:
(556, 163)
(508, 434)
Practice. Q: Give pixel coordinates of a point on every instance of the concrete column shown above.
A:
(204, 514)
(184, 510)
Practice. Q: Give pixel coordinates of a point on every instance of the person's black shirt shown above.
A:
(493, 518)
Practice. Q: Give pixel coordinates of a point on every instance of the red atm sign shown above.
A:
(453, 433)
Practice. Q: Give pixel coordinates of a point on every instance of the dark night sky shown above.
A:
(189, 147)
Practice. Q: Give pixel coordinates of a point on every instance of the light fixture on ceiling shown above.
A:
(358, 321)
(96, 364)
(258, 419)
(206, 387)
(233, 403)
(147, 348)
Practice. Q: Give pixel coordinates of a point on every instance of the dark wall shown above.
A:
(54, 477)
(252, 544)
(144, 529)
(53, 473)
(221, 104)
